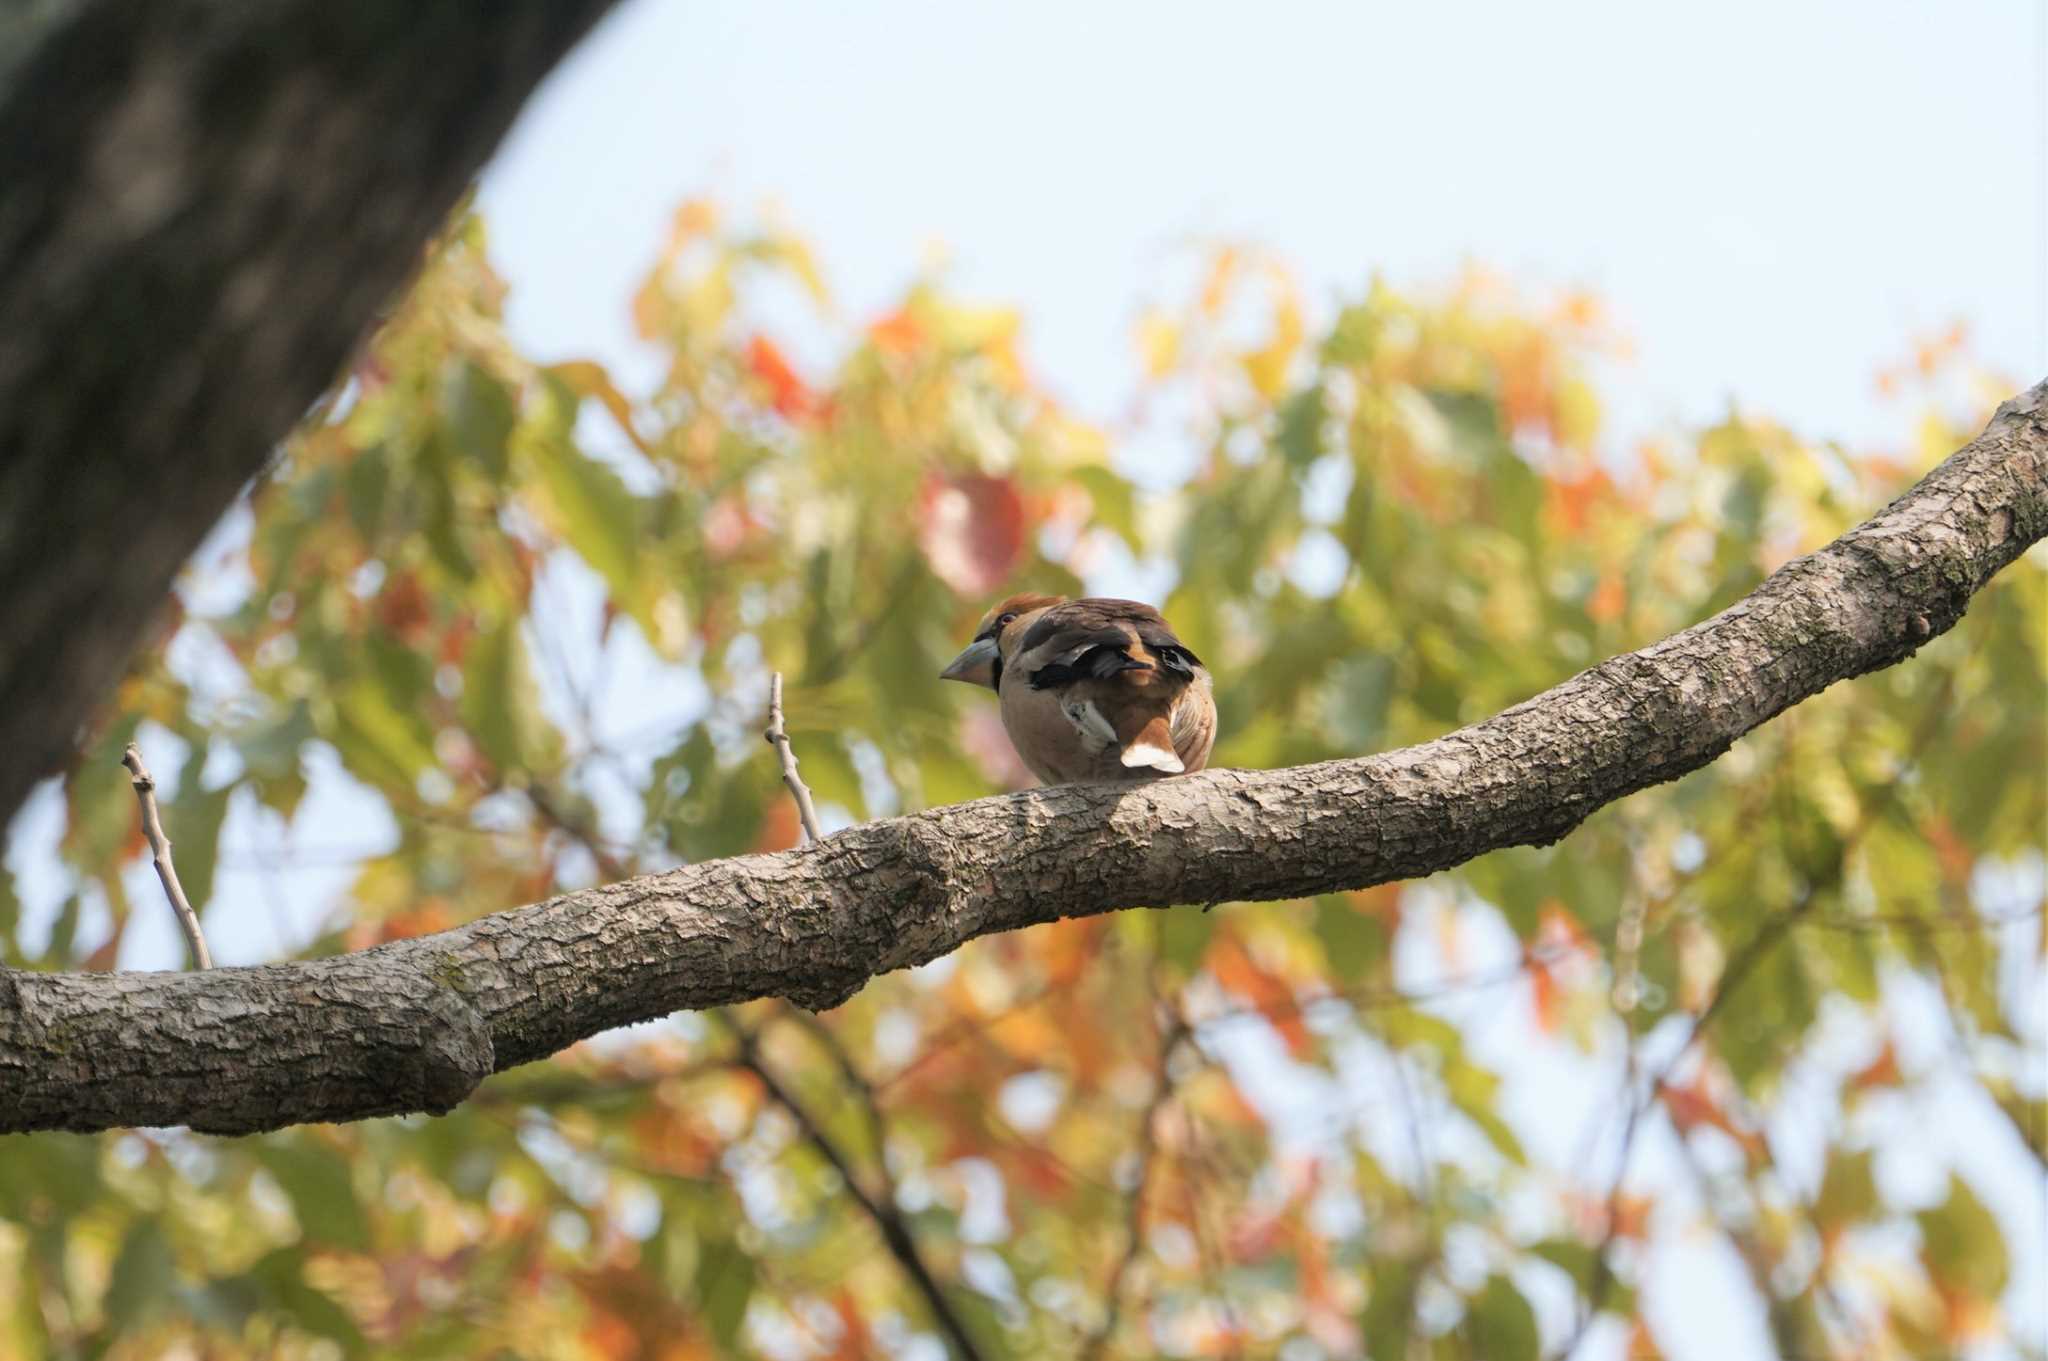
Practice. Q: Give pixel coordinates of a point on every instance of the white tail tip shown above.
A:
(1158, 758)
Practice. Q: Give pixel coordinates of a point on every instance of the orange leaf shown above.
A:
(787, 393)
(898, 333)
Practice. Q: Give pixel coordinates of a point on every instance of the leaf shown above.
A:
(590, 508)
(787, 392)
(500, 703)
(1355, 942)
(1578, 1261)
(143, 1276)
(384, 743)
(321, 1191)
(1114, 501)
(1848, 1191)
(481, 414)
(1267, 366)
(725, 1281)
(971, 529)
(1962, 1244)
(1184, 936)
(280, 1280)
(1501, 1323)
(587, 378)
(1475, 1092)
(193, 825)
(1390, 1307)
(1300, 440)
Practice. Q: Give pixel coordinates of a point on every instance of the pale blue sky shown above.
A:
(1774, 198)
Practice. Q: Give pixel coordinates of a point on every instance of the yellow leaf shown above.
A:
(1267, 367)
(1158, 343)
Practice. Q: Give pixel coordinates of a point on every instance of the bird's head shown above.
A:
(981, 661)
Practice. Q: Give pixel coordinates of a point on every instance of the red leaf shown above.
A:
(787, 392)
(972, 531)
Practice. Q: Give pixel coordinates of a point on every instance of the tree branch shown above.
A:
(884, 1214)
(160, 856)
(206, 204)
(415, 1024)
(778, 739)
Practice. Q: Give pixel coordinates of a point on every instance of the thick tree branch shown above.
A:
(205, 204)
(416, 1024)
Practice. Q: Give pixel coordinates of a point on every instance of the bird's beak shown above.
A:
(976, 665)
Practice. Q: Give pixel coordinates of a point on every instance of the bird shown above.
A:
(1096, 689)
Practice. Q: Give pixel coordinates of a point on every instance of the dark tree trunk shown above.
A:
(203, 204)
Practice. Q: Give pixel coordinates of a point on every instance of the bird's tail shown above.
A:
(1153, 747)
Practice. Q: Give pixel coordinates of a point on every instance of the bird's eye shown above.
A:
(1004, 622)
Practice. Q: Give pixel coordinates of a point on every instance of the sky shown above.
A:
(1774, 200)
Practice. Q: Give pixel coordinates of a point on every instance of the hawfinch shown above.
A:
(1092, 689)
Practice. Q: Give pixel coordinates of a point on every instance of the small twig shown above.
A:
(1737, 971)
(884, 1214)
(160, 854)
(778, 739)
(1135, 1207)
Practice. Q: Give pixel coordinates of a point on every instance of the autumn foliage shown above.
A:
(524, 614)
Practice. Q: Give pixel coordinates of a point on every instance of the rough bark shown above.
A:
(202, 205)
(415, 1025)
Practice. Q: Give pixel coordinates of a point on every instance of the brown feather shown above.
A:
(1084, 682)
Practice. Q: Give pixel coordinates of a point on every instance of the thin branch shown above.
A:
(887, 1218)
(880, 1207)
(864, 1094)
(1739, 968)
(160, 855)
(778, 739)
(1134, 1228)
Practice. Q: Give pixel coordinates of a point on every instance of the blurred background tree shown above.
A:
(1778, 1024)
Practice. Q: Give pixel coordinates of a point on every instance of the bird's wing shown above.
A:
(1117, 670)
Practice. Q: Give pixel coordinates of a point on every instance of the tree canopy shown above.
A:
(528, 612)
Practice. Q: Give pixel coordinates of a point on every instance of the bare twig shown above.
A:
(778, 739)
(1134, 1232)
(880, 1207)
(1739, 968)
(160, 854)
(887, 1218)
(857, 1083)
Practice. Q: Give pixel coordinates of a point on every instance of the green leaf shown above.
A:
(1115, 500)
(725, 1281)
(193, 824)
(590, 507)
(1300, 440)
(143, 1276)
(320, 1189)
(280, 1280)
(1390, 1308)
(1501, 1323)
(1354, 942)
(1962, 1244)
(1475, 1092)
(481, 414)
(383, 743)
(1579, 1261)
(500, 703)
(1184, 936)
(1848, 1191)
